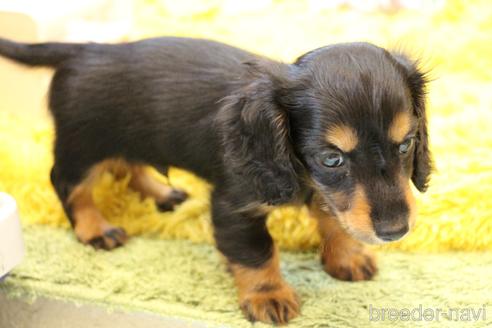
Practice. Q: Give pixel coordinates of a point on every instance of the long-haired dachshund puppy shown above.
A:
(342, 129)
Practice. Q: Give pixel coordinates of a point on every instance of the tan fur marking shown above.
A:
(117, 166)
(342, 136)
(400, 127)
(89, 223)
(247, 278)
(342, 256)
(357, 219)
(340, 199)
(410, 200)
(257, 288)
(148, 186)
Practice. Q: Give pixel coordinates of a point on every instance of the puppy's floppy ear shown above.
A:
(417, 81)
(255, 135)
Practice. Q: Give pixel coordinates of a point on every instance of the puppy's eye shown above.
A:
(406, 145)
(332, 158)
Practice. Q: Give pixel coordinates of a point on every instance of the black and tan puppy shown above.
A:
(343, 129)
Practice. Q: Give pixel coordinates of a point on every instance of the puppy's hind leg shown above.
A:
(75, 193)
(166, 197)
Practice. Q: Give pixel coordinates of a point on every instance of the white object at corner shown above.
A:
(11, 243)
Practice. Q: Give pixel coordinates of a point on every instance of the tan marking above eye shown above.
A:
(342, 136)
(400, 126)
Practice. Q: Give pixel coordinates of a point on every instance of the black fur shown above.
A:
(251, 126)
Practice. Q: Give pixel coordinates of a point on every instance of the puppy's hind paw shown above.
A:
(110, 238)
(175, 197)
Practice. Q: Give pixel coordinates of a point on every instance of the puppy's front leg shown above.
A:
(263, 294)
(342, 256)
(246, 243)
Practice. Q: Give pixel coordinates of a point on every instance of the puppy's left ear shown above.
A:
(417, 81)
(254, 128)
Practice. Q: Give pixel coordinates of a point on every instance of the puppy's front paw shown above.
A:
(271, 304)
(351, 264)
(174, 198)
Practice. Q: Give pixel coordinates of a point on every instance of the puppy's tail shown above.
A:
(38, 54)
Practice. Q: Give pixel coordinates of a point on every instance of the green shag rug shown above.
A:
(187, 280)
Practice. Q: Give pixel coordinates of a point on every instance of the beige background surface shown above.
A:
(22, 89)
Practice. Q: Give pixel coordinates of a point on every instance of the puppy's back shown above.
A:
(153, 100)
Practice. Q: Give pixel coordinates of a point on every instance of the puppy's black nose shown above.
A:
(391, 232)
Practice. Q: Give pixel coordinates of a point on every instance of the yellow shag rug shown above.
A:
(456, 43)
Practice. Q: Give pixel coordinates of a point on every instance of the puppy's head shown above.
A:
(354, 116)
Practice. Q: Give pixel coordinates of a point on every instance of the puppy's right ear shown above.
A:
(255, 135)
